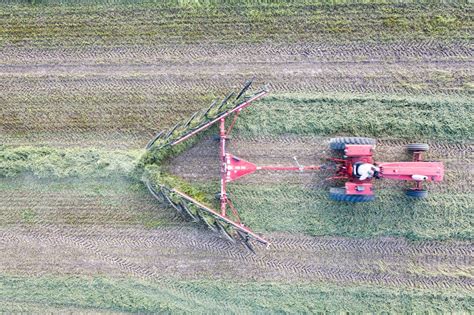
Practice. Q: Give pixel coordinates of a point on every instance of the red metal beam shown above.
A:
(233, 121)
(234, 167)
(223, 218)
(289, 168)
(224, 115)
(223, 196)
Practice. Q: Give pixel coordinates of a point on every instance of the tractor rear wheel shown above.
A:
(420, 147)
(417, 193)
(339, 144)
(339, 194)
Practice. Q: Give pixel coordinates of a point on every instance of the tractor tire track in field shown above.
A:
(253, 53)
(25, 201)
(369, 77)
(163, 253)
(120, 96)
(64, 239)
(200, 163)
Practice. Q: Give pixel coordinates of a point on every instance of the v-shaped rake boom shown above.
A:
(232, 168)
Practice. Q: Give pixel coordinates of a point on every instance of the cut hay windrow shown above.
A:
(50, 162)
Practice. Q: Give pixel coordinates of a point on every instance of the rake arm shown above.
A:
(152, 141)
(210, 107)
(224, 101)
(244, 89)
(191, 119)
(244, 239)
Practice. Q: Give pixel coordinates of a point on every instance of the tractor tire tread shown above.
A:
(340, 142)
(417, 193)
(418, 147)
(339, 194)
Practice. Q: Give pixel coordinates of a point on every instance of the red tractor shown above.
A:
(356, 165)
(359, 169)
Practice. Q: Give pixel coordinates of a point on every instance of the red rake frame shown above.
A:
(232, 168)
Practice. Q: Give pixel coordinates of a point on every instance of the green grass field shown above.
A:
(91, 294)
(85, 85)
(441, 216)
(175, 22)
(378, 116)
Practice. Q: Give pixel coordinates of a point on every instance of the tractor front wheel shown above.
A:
(417, 193)
(339, 194)
(339, 144)
(418, 147)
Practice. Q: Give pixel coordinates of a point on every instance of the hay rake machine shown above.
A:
(230, 227)
(355, 155)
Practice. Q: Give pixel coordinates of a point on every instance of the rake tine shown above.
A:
(171, 131)
(248, 246)
(264, 89)
(179, 208)
(152, 141)
(245, 242)
(246, 87)
(171, 202)
(214, 102)
(165, 189)
(223, 232)
(224, 101)
(199, 218)
(263, 243)
(163, 145)
(199, 115)
(158, 195)
(203, 220)
(189, 213)
(190, 119)
(174, 205)
(185, 211)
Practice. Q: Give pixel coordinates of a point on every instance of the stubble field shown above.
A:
(85, 86)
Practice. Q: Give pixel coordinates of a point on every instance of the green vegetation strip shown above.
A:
(60, 163)
(378, 116)
(111, 201)
(293, 208)
(131, 295)
(151, 22)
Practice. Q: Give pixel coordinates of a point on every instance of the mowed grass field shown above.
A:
(85, 85)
